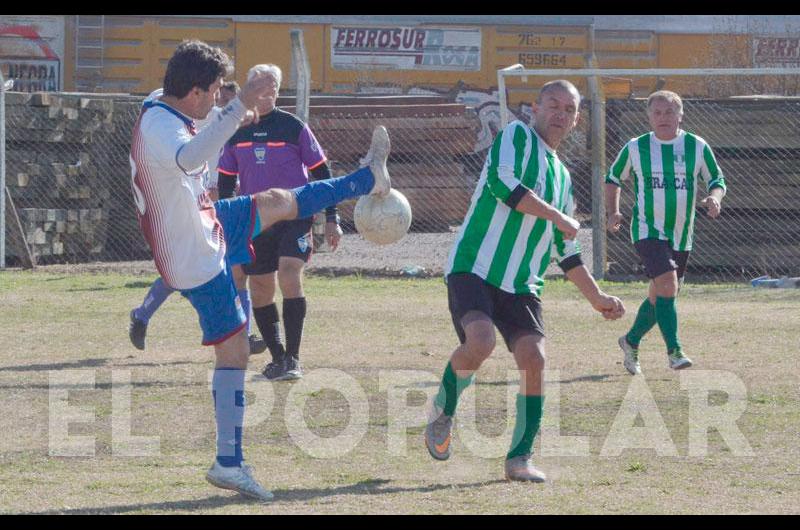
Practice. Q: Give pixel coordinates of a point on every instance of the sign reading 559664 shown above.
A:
(533, 60)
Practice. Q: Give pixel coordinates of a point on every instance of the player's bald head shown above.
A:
(557, 85)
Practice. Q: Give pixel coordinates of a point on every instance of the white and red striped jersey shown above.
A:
(175, 213)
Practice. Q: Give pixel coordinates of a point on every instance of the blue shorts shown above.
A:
(217, 301)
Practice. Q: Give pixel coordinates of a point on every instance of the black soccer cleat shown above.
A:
(137, 331)
(275, 370)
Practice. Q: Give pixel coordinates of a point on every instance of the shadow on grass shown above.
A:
(216, 501)
(584, 378)
(137, 285)
(599, 378)
(83, 363)
(94, 363)
(365, 487)
(86, 289)
(103, 386)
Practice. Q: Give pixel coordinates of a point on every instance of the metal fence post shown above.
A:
(2, 171)
(599, 248)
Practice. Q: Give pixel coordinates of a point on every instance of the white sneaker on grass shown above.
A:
(239, 479)
(631, 361)
(679, 361)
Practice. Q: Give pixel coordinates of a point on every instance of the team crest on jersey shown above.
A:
(261, 153)
(303, 243)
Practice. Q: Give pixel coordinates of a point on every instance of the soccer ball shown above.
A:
(382, 220)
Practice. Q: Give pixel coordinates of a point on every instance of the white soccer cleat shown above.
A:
(631, 362)
(239, 479)
(679, 361)
(376, 158)
(521, 469)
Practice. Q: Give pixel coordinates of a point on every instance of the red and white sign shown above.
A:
(405, 48)
(31, 51)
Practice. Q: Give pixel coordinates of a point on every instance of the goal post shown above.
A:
(301, 73)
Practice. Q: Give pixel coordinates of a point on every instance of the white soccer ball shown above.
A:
(382, 220)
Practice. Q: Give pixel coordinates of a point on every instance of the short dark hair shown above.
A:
(233, 86)
(194, 64)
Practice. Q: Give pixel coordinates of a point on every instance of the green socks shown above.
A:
(529, 417)
(451, 388)
(667, 318)
(529, 410)
(645, 320)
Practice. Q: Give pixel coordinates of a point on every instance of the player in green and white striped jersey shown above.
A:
(520, 217)
(665, 166)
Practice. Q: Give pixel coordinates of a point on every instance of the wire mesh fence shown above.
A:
(757, 146)
(68, 174)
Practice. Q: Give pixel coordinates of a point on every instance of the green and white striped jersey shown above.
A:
(507, 248)
(665, 178)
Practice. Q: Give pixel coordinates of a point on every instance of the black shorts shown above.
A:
(513, 314)
(287, 238)
(658, 257)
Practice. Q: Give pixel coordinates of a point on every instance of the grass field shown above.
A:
(371, 330)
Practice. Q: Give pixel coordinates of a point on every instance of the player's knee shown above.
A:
(290, 269)
(262, 286)
(667, 285)
(291, 284)
(275, 205)
(480, 343)
(234, 352)
(530, 355)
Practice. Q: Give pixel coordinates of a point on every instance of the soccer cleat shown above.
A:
(376, 158)
(137, 331)
(520, 468)
(678, 361)
(275, 370)
(438, 434)
(631, 362)
(239, 479)
(293, 369)
(257, 344)
(284, 369)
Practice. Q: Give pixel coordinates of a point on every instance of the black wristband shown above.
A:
(513, 200)
(321, 172)
(567, 264)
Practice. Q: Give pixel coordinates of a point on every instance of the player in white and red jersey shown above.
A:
(196, 241)
(159, 291)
